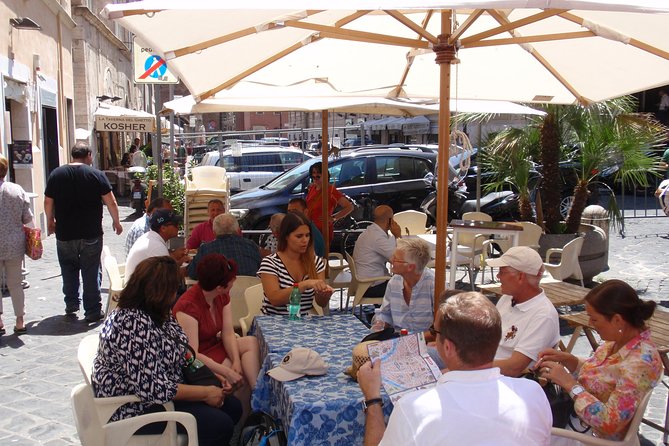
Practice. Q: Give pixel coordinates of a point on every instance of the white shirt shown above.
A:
(148, 245)
(372, 251)
(528, 327)
(139, 159)
(476, 407)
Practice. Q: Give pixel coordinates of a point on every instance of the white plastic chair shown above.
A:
(253, 297)
(568, 266)
(237, 301)
(529, 236)
(96, 430)
(359, 286)
(411, 222)
(91, 417)
(209, 178)
(339, 275)
(115, 274)
(471, 245)
(631, 438)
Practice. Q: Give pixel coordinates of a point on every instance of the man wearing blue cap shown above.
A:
(164, 226)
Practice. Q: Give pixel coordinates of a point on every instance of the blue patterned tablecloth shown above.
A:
(316, 410)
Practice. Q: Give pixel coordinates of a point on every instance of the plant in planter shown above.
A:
(173, 188)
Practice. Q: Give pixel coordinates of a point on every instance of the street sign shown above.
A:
(150, 68)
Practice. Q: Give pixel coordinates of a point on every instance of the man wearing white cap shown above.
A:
(529, 320)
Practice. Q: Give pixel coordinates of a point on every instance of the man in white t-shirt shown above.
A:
(472, 403)
(529, 320)
(164, 226)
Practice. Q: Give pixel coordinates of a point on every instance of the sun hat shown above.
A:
(299, 362)
(521, 258)
(360, 356)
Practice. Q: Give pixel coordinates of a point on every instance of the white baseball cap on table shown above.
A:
(299, 362)
(521, 258)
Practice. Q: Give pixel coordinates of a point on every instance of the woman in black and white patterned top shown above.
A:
(142, 351)
(294, 262)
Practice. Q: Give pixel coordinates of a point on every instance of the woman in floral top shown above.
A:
(142, 350)
(608, 386)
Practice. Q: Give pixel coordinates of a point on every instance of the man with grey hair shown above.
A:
(374, 247)
(271, 241)
(232, 245)
(409, 295)
(529, 320)
(472, 403)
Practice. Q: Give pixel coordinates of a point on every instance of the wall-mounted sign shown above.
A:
(124, 124)
(149, 67)
(22, 152)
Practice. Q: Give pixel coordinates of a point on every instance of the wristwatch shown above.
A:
(371, 402)
(576, 391)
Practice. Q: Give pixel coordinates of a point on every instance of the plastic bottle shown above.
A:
(294, 303)
(404, 332)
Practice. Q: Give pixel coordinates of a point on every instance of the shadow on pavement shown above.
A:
(60, 325)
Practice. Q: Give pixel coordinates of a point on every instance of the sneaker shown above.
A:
(94, 317)
(71, 310)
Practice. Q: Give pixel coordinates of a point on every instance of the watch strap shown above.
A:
(371, 402)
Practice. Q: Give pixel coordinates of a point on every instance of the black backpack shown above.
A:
(262, 430)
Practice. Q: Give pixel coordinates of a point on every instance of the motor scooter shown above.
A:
(137, 190)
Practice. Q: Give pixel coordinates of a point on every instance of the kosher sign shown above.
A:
(149, 67)
(124, 124)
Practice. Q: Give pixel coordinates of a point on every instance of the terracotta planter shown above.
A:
(594, 255)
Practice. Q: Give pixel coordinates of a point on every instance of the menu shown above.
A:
(406, 365)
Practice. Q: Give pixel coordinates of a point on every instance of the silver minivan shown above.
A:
(256, 166)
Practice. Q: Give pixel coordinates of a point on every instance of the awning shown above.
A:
(382, 124)
(112, 118)
(418, 125)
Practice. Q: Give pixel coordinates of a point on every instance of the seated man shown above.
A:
(204, 232)
(300, 205)
(529, 320)
(374, 247)
(141, 226)
(472, 403)
(232, 245)
(409, 297)
(164, 226)
(271, 241)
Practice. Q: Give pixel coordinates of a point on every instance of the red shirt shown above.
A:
(192, 303)
(315, 206)
(204, 232)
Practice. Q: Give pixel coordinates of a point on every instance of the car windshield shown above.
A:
(290, 176)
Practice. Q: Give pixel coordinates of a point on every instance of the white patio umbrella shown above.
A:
(555, 51)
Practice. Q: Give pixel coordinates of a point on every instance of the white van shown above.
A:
(256, 166)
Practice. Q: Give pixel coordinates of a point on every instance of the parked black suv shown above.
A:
(369, 176)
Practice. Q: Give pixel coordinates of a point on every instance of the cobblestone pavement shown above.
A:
(38, 370)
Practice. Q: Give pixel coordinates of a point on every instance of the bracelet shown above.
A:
(371, 402)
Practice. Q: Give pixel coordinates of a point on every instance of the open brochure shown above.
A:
(406, 365)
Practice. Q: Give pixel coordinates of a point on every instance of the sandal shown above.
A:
(2, 331)
(20, 331)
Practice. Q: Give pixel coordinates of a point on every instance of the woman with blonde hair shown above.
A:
(15, 213)
(293, 263)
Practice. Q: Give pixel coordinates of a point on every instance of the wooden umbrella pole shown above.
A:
(445, 55)
(325, 182)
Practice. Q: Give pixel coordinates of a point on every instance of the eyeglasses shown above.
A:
(434, 331)
(396, 260)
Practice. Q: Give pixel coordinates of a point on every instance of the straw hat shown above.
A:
(360, 356)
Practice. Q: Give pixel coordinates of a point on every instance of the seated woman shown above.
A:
(142, 351)
(204, 312)
(294, 262)
(607, 387)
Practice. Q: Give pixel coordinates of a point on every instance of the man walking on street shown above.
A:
(73, 205)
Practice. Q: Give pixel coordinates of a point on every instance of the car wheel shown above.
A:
(565, 205)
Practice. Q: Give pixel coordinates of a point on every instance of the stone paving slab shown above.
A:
(38, 370)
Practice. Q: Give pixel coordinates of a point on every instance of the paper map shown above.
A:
(405, 365)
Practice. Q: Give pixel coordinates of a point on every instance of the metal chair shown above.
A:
(359, 286)
(411, 222)
(253, 296)
(568, 266)
(631, 438)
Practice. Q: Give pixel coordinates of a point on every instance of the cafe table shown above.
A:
(314, 410)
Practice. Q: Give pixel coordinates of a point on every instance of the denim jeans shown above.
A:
(75, 256)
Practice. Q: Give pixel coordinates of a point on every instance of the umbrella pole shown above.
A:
(325, 182)
(445, 55)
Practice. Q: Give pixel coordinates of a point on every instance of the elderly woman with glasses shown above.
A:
(408, 301)
(143, 350)
(315, 201)
(204, 312)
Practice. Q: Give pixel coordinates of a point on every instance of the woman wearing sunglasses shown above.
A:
(315, 201)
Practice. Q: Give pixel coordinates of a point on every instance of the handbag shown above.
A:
(260, 429)
(196, 373)
(34, 246)
(562, 406)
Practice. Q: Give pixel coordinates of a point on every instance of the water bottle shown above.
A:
(294, 303)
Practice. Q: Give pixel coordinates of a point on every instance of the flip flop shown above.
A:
(20, 331)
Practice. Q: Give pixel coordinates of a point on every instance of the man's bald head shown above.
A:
(382, 214)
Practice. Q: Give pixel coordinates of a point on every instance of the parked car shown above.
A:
(395, 177)
(256, 166)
